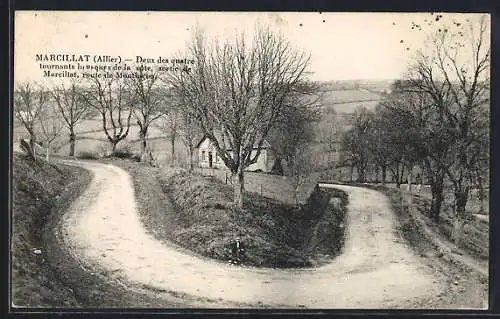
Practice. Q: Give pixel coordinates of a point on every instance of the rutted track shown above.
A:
(102, 230)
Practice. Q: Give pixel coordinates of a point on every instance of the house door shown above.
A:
(210, 160)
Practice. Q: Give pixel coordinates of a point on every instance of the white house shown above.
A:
(208, 157)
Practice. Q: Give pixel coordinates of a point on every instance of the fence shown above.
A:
(272, 186)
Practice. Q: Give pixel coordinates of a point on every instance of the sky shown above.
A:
(343, 46)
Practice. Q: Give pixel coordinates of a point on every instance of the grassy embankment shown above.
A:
(196, 213)
(475, 241)
(39, 191)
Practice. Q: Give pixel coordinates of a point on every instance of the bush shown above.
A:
(124, 152)
(88, 155)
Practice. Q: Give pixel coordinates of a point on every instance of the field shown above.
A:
(346, 101)
(90, 138)
(375, 86)
(344, 96)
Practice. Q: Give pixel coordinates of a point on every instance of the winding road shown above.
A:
(103, 232)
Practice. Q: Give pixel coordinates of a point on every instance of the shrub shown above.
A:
(124, 152)
(136, 157)
(88, 155)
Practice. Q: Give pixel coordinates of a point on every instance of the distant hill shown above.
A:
(346, 96)
(374, 86)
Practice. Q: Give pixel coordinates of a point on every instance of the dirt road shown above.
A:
(103, 232)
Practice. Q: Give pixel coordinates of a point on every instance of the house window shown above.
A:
(203, 156)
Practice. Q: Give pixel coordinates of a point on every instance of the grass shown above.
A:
(272, 186)
(350, 107)
(343, 96)
(346, 101)
(39, 190)
(196, 213)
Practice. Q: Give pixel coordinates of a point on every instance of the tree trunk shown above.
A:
(32, 145)
(72, 139)
(422, 181)
(422, 174)
(47, 150)
(277, 166)
(298, 181)
(239, 186)
(384, 174)
(361, 174)
(481, 193)
(191, 159)
(457, 231)
(401, 174)
(395, 175)
(408, 179)
(142, 136)
(437, 198)
(172, 144)
(398, 180)
(458, 225)
(113, 147)
(351, 173)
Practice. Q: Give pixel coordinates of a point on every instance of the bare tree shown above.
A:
(150, 103)
(458, 70)
(237, 90)
(190, 132)
(293, 128)
(50, 127)
(355, 141)
(29, 102)
(418, 133)
(304, 163)
(72, 108)
(115, 103)
(172, 129)
(329, 132)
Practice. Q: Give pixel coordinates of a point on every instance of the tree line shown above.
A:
(237, 93)
(436, 117)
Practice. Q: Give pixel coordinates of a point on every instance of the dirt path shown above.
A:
(103, 231)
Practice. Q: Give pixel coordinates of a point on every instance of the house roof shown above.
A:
(265, 144)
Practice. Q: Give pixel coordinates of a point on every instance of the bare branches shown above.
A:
(51, 126)
(150, 98)
(240, 89)
(29, 101)
(236, 90)
(70, 102)
(111, 97)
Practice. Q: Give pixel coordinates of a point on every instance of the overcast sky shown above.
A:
(343, 46)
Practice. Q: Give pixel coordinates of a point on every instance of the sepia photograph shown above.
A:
(250, 160)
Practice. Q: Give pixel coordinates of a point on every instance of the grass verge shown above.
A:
(196, 213)
(39, 190)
